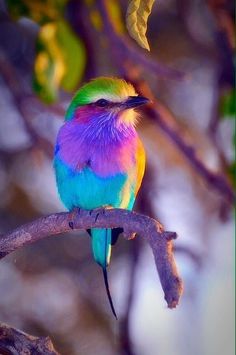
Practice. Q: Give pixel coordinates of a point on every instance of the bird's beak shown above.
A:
(135, 101)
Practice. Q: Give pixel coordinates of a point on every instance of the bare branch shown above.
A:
(159, 240)
(15, 342)
(20, 98)
(163, 118)
(216, 180)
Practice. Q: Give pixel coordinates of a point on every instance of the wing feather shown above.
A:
(140, 165)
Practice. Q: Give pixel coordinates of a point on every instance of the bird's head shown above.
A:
(104, 100)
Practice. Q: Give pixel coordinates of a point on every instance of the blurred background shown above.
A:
(53, 287)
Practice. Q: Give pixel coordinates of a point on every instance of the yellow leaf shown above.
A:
(49, 66)
(60, 60)
(115, 14)
(136, 20)
(96, 19)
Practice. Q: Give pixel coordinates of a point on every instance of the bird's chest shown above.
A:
(103, 158)
(111, 160)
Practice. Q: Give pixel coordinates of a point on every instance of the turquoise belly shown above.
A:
(86, 190)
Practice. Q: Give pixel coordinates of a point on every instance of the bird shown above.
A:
(99, 159)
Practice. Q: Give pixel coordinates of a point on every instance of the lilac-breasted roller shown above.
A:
(99, 158)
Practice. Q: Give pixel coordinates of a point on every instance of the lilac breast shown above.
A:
(108, 151)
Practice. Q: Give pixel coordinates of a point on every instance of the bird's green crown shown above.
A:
(111, 89)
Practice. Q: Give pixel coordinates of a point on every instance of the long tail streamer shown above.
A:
(108, 291)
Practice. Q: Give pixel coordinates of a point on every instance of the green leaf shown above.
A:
(136, 20)
(74, 54)
(228, 104)
(232, 173)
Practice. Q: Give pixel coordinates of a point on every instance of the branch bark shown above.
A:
(16, 342)
(151, 230)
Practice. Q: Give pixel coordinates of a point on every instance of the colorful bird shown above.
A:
(99, 158)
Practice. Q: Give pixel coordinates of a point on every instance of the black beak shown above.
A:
(135, 101)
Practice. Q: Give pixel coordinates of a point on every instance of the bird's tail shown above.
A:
(101, 245)
(108, 291)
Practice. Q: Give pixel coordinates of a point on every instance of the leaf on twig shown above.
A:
(136, 20)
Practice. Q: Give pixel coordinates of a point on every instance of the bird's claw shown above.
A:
(71, 225)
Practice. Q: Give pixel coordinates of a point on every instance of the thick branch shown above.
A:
(146, 227)
(14, 341)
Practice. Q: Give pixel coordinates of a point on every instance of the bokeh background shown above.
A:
(47, 50)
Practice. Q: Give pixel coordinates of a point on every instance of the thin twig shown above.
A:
(160, 116)
(20, 97)
(215, 180)
(151, 230)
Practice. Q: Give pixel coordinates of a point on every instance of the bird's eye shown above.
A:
(102, 103)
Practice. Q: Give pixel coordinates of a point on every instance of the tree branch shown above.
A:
(159, 240)
(14, 341)
(163, 118)
(21, 97)
(216, 180)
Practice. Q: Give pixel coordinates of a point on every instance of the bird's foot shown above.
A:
(71, 225)
(96, 213)
(106, 207)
